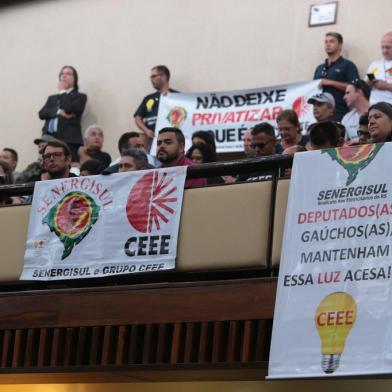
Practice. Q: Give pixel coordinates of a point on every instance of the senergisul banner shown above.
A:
(333, 313)
(88, 227)
(229, 114)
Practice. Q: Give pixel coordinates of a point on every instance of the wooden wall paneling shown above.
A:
(32, 344)
(7, 348)
(56, 356)
(121, 344)
(175, 356)
(246, 341)
(135, 344)
(95, 341)
(203, 343)
(188, 342)
(70, 339)
(232, 341)
(43, 347)
(17, 347)
(81, 343)
(216, 344)
(162, 343)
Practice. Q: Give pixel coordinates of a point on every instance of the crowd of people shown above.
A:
(348, 111)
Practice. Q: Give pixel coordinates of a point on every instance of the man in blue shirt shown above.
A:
(336, 71)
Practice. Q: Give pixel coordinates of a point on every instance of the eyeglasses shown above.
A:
(54, 155)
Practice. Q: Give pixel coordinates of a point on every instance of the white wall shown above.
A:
(207, 44)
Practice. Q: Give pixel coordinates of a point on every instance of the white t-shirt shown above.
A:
(351, 123)
(382, 69)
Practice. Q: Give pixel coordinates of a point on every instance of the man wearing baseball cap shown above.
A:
(42, 141)
(323, 107)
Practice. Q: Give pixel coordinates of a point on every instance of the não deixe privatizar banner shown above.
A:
(229, 114)
(333, 313)
(85, 227)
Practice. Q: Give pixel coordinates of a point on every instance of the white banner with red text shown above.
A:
(333, 313)
(86, 227)
(229, 114)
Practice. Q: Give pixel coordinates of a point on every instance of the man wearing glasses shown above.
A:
(57, 160)
(336, 72)
(263, 144)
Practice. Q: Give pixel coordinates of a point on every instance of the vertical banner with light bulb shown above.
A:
(333, 312)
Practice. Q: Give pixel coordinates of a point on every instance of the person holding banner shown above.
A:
(147, 112)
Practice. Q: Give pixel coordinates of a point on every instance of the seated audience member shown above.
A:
(380, 122)
(91, 167)
(363, 130)
(63, 111)
(324, 135)
(323, 107)
(41, 142)
(357, 100)
(170, 152)
(290, 130)
(206, 137)
(132, 159)
(381, 82)
(248, 150)
(203, 153)
(92, 149)
(264, 144)
(342, 132)
(131, 140)
(10, 156)
(57, 160)
(264, 139)
(7, 178)
(35, 171)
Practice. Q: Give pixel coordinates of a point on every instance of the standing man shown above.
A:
(336, 72)
(171, 152)
(381, 81)
(147, 112)
(63, 111)
(357, 100)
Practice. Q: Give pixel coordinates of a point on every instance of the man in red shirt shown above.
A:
(171, 152)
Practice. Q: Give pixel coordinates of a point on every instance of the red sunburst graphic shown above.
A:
(300, 106)
(148, 201)
(73, 215)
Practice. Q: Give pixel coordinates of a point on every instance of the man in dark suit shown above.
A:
(63, 111)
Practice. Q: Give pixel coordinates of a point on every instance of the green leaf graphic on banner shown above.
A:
(72, 218)
(354, 158)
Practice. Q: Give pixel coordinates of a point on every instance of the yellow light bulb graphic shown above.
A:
(334, 319)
